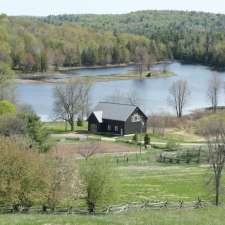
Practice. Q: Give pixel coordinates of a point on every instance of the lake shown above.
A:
(152, 94)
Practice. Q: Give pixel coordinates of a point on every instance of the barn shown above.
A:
(117, 119)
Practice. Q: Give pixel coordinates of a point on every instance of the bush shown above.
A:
(7, 107)
(99, 182)
(172, 146)
(11, 124)
(23, 175)
(80, 122)
(147, 139)
(135, 138)
(63, 182)
(25, 124)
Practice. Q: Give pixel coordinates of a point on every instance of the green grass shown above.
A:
(131, 76)
(142, 178)
(207, 216)
(220, 115)
(168, 136)
(59, 127)
(172, 183)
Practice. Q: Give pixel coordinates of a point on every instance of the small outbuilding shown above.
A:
(117, 119)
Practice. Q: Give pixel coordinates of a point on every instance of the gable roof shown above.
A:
(114, 111)
(98, 115)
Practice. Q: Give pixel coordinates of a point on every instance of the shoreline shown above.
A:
(66, 69)
(56, 77)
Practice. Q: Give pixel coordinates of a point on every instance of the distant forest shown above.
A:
(189, 36)
(32, 44)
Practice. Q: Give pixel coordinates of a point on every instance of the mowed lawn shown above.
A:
(207, 216)
(158, 182)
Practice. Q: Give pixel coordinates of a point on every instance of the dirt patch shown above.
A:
(102, 147)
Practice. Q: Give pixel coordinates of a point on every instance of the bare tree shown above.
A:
(88, 149)
(150, 59)
(213, 91)
(71, 99)
(214, 131)
(129, 97)
(157, 124)
(132, 97)
(141, 59)
(178, 96)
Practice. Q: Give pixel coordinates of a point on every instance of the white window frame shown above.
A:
(136, 118)
(116, 128)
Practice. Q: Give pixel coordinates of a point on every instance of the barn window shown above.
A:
(116, 128)
(109, 127)
(136, 118)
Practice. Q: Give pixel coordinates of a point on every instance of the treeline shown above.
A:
(30, 45)
(188, 36)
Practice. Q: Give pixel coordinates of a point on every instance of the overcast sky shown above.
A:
(47, 7)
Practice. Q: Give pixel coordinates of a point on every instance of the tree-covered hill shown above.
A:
(31, 44)
(146, 22)
(188, 36)
(28, 44)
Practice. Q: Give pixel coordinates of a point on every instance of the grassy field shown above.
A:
(142, 178)
(207, 216)
(172, 183)
(59, 127)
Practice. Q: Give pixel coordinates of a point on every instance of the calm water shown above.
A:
(151, 93)
(102, 71)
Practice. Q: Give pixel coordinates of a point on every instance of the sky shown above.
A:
(53, 7)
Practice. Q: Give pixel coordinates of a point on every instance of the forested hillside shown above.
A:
(30, 45)
(189, 36)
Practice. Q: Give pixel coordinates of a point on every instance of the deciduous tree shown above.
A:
(178, 96)
(71, 100)
(214, 88)
(214, 131)
(99, 183)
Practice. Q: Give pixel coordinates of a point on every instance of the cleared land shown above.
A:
(141, 178)
(207, 216)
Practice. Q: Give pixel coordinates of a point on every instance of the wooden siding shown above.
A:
(136, 127)
(127, 127)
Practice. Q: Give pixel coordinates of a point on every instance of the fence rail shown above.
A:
(156, 205)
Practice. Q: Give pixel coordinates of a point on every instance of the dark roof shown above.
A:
(115, 111)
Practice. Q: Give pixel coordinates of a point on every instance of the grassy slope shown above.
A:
(142, 178)
(208, 216)
(59, 127)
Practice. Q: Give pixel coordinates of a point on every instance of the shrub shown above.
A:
(80, 122)
(11, 124)
(99, 182)
(172, 146)
(7, 107)
(135, 138)
(36, 131)
(22, 174)
(147, 139)
(25, 124)
(63, 182)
